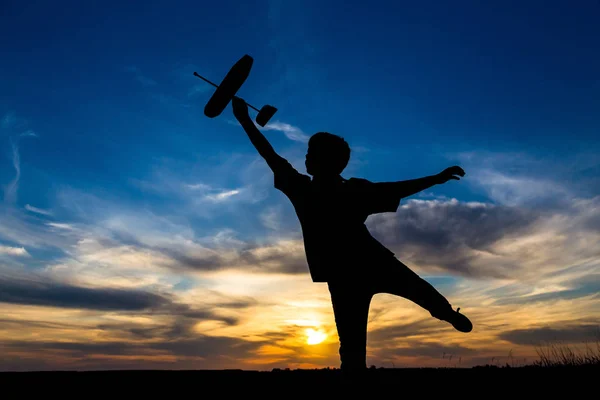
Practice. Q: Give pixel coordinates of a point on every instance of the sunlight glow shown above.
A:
(314, 336)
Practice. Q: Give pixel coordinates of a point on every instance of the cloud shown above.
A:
(520, 179)
(156, 342)
(209, 347)
(28, 133)
(131, 244)
(283, 256)
(569, 334)
(291, 132)
(8, 120)
(59, 225)
(30, 290)
(475, 239)
(218, 185)
(519, 190)
(271, 218)
(33, 324)
(10, 191)
(14, 251)
(432, 350)
(199, 191)
(208, 352)
(453, 236)
(403, 331)
(37, 210)
(469, 239)
(222, 196)
(588, 285)
(198, 186)
(49, 290)
(26, 230)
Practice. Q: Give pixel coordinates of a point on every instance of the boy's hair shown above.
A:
(332, 151)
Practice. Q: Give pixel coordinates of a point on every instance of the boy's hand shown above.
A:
(450, 173)
(240, 108)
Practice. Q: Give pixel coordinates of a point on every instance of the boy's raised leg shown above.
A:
(398, 279)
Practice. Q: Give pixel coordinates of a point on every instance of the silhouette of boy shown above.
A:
(338, 246)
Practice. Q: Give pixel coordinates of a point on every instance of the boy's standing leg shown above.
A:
(351, 304)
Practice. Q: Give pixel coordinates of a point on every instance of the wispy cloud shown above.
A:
(8, 120)
(58, 225)
(198, 186)
(291, 132)
(203, 188)
(271, 217)
(37, 210)
(210, 193)
(518, 179)
(25, 230)
(11, 189)
(518, 190)
(222, 196)
(14, 251)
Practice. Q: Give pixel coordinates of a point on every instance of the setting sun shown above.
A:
(314, 336)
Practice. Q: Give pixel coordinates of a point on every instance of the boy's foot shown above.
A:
(459, 322)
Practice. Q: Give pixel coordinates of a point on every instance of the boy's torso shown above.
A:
(336, 240)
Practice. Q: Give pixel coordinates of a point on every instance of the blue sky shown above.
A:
(112, 82)
(103, 141)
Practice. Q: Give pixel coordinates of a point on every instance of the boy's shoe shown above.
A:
(459, 322)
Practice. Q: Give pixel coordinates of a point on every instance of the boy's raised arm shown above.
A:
(260, 142)
(413, 186)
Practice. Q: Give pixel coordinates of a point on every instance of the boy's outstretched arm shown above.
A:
(240, 110)
(382, 197)
(413, 186)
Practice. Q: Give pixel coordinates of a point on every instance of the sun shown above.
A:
(314, 337)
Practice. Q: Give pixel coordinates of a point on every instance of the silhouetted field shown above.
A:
(488, 380)
(560, 371)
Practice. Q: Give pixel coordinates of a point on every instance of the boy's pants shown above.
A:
(351, 300)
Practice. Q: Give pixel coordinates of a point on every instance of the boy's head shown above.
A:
(328, 154)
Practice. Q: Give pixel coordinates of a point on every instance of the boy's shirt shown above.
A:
(337, 243)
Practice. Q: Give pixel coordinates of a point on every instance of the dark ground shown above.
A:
(404, 383)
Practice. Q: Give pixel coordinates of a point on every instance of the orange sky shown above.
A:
(240, 317)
